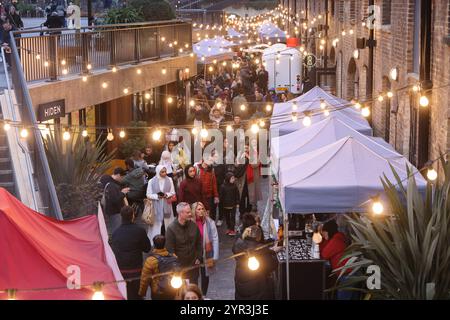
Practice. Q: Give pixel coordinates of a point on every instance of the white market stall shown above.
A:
(338, 178)
(207, 54)
(270, 32)
(282, 123)
(324, 133)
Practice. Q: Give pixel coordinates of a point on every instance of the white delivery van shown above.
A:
(284, 65)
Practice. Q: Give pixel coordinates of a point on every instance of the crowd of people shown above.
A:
(163, 213)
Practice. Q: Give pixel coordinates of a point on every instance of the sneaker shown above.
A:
(219, 223)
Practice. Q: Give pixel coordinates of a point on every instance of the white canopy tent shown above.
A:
(281, 122)
(324, 133)
(233, 33)
(338, 178)
(270, 31)
(210, 51)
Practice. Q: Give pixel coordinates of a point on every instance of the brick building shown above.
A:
(400, 119)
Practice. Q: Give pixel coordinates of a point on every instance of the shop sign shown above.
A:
(51, 110)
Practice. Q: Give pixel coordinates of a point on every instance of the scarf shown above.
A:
(162, 207)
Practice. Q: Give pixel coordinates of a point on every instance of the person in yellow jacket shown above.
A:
(160, 261)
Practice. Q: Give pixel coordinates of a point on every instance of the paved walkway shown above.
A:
(221, 284)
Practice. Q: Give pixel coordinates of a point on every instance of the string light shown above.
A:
(326, 113)
(192, 103)
(194, 131)
(432, 174)
(147, 96)
(65, 71)
(380, 98)
(262, 123)
(307, 121)
(84, 133)
(24, 133)
(104, 85)
(377, 206)
(211, 69)
(66, 135)
(110, 136)
(157, 135)
(98, 292)
(138, 71)
(243, 107)
(125, 91)
(268, 108)
(114, 69)
(390, 94)
(6, 126)
(38, 57)
(393, 74)
(357, 106)
(365, 112)
(176, 282)
(423, 101)
(255, 128)
(63, 62)
(253, 263)
(323, 105)
(294, 116)
(84, 78)
(89, 66)
(204, 133)
(415, 88)
(229, 128)
(46, 63)
(169, 100)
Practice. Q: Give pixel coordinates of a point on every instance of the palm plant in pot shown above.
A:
(76, 166)
(410, 246)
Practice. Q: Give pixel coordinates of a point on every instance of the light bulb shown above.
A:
(294, 117)
(393, 74)
(110, 136)
(344, 33)
(24, 133)
(262, 124)
(104, 85)
(84, 133)
(229, 128)
(176, 282)
(38, 57)
(156, 135)
(46, 63)
(351, 31)
(294, 106)
(307, 121)
(323, 105)
(164, 39)
(377, 207)
(224, 63)
(255, 128)
(192, 103)
(243, 107)
(424, 102)
(326, 113)
(203, 133)
(186, 70)
(147, 96)
(390, 94)
(380, 98)
(98, 295)
(84, 78)
(211, 69)
(63, 62)
(89, 66)
(169, 100)
(365, 112)
(138, 71)
(6, 126)
(432, 174)
(125, 91)
(415, 88)
(114, 69)
(253, 263)
(64, 71)
(215, 61)
(194, 131)
(357, 106)
(268, 108)
(66, 135)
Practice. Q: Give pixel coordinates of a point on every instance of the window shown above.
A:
(352, 13)
(386, 12)
(340, 10)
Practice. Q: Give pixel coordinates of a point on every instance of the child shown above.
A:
(229, 196)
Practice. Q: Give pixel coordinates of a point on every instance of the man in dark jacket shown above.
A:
(136, 181)
(183, 239)
(114, 195)
(263, 79)
(128, 244)
(258, 284)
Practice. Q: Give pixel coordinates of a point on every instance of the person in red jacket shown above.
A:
(191, 188)
(209, 188)
(332, 249)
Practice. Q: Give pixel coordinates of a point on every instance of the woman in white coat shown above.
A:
(160, 189)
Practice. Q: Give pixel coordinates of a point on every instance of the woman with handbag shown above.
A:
(161, 192)
(210, 243)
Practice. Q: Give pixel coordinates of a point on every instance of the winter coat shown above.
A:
(333, 249)
(128, 242)
(113, 193)
(251, 285)
(209, 185)
(209, 227)
(185, 242)
(190, 191)
(229, 195)
(136, 182)
(150, 268)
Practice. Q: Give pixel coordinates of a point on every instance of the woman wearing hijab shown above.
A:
(166, 161)
(160, 189)
(190, 190)
(210, 243)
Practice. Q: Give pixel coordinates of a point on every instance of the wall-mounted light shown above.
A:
(393, 74)
(356, 54)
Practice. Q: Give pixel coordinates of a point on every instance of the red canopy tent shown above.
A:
(38, 252)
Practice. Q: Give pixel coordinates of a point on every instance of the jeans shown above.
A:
(113, 222)
(205, 280)
(230, 218)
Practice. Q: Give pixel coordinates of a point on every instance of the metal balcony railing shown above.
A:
(49, 54)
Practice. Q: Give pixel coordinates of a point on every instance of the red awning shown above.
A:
(37, 251)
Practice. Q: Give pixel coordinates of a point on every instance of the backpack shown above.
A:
(166, 264)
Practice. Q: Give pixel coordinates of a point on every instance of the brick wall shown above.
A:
(395, 44)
